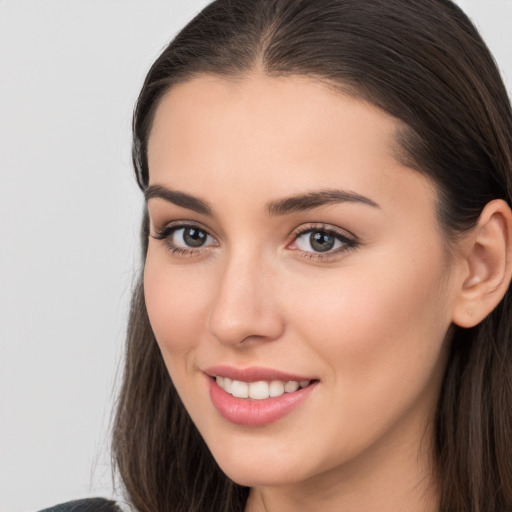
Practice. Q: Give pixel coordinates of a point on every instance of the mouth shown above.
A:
(260, 390)
(256, 397)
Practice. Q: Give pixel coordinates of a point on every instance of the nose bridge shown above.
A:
(244, 307)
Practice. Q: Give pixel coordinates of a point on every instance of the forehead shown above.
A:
(212, 109)
(278, 136)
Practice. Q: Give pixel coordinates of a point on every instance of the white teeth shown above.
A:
(291, 386)
(259, 390)
(276, 388)
(240, 389)
(228, 384)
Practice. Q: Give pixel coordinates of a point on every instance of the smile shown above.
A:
(259, 390)
(255, 397)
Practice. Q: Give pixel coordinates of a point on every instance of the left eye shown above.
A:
(190, 237)
(320, 241)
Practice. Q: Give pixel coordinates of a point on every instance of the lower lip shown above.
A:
(256, 413)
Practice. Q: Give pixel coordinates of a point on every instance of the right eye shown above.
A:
(185, 239)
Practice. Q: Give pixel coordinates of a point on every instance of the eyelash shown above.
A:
(166, 233)
(348, 243)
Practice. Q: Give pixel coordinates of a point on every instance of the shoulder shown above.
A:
(87, 505)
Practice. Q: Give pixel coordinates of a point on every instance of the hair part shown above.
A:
(423, 62)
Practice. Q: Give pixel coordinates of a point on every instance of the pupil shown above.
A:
(321, 242)
(194, 237)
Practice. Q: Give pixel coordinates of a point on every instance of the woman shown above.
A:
(322, 322)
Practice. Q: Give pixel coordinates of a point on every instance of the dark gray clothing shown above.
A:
(87, 505)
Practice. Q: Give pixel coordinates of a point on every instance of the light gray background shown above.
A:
(70, 71)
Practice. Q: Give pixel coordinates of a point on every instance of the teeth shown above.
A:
(259, 390)
(291, 386)
(276, 388)
(228, 385)
(240, 389)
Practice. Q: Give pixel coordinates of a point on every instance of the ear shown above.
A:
(487, 263)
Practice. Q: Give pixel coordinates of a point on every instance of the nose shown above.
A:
(244, 310)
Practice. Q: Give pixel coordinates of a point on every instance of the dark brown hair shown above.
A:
(423, 62)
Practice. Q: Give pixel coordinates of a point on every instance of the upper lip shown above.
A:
(253, 374)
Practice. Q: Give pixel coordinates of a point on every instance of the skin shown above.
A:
(370, 322)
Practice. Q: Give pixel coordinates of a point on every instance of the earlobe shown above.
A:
(488, 262)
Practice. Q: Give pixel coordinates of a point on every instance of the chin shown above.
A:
(255, 470)
(250, 476)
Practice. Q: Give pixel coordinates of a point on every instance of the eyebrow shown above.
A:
(316, 199)
(301, 202)
(178, 198)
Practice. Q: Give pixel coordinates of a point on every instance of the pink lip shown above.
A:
(253, 374)
(254, 413)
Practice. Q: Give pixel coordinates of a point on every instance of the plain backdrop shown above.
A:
(70, 72)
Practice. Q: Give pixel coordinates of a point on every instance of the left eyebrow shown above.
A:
(316, 199)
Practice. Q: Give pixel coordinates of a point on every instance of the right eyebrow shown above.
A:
(178, 198)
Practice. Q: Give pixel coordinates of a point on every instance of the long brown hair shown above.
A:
(424, 63)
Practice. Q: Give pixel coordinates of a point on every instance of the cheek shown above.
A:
(176, 301)
(381, 330)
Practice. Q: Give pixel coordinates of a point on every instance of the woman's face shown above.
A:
(289, 245)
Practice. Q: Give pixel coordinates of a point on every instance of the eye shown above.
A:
(190, 237)
(185, 239)
(318, 241)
